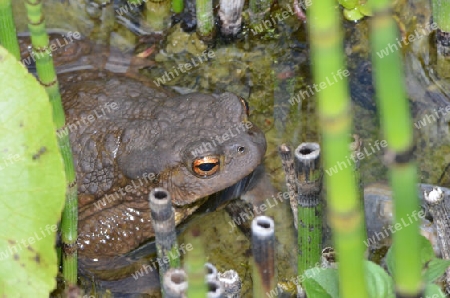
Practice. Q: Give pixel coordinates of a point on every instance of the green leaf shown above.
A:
(365, 9)
(348, 4)
(353, 14)
(379, 283)
(426, 254)
(324, 283)
(433, 291)
(436, 268)
(33, 184)
(321, 283)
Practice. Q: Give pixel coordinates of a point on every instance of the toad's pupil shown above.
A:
(206, 167)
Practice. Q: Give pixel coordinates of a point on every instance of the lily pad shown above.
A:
(33, 184)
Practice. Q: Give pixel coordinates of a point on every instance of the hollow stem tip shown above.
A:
(214, 289)
(307, 163)
(307, 151)
(211, 272)
(175, 283)
(263, 227)
(263, 242)
(161, 210)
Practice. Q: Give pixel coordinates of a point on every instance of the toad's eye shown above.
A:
(206, 166)
(245, 105)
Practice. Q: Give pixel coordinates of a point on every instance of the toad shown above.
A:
(128, 137)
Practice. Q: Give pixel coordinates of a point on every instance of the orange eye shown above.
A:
(206, 166)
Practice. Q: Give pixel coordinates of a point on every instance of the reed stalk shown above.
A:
(263, 243)
(205, 19)
(397, 130)
(47, 78)
(310, 206)
(441, 14)
(435, 200)
(194, 265)
(344, 209)
(355, 149)
(8, 38)
(163, 222)
(230, 14)
(177, 6)
(441, 17)
(158, 14)
(287, 160)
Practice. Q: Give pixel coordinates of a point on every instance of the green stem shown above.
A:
(397, 130)
(158, 14)
(441, 14)
(163, 222)
(205, 18)
(8, 38)
(310, 219)
(441, 18)
(195, 265)
(47, 77)
(177, 6)
(334, 109)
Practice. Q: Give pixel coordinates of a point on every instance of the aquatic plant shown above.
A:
(263, 248)
(205, 19)
(33, 184)
(441, 13)
(158, 14)
(344, 210)
(163, 222)
(8, 38)
(410, 259)
(230, 14)
(355, 10)
(194, 265)
(47, 77)
(435, 200)
(175, 283)
(396, 125)
(177, 6)
(307, 166)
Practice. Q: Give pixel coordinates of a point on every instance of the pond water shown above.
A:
(270, 70)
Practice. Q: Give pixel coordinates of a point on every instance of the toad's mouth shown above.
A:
(234, 191)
